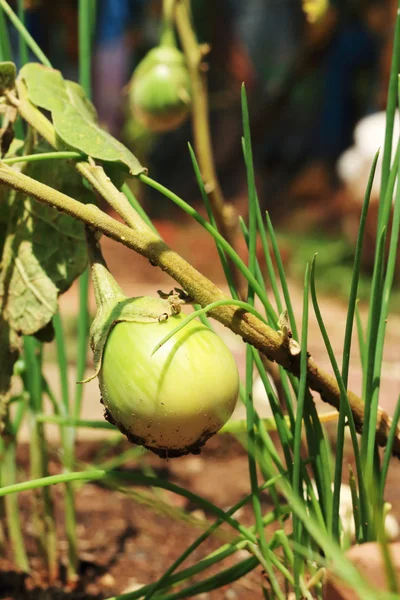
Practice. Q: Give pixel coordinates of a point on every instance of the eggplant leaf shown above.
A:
(44, 251)
(74, 117)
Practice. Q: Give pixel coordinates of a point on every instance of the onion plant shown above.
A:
(51, 174)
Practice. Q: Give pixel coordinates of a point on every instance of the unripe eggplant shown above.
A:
(171, 401)
(159, 92)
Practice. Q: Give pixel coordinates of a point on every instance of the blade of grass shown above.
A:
(386, 204)
(71, 422)
(381, 332)
(133, 479)
(390, 117)
(9, 477)
(22, 47)
(207, 204)
(201, 311)
(251, 434)
(216, 581)
(343, 567)
(12, 508)
(162, 582)
(321, 463)
(213, 558)
(199, 567)
(282, 426)
(24, 33)
(5, 46)
(264, 243)
(290, 311)
(282, 277)
(346, 411)
(297, 462)
(134, 202)
(361, 340)
(217, 236)
(258, 272)
(68, 455)
(268, 261)
(355, 503)
(43, 518)
(372, 331)
(284, 392)
(28, 158)
(62, 361)
(387, 453)
(370, 384)
(85, 28)
(355, 276)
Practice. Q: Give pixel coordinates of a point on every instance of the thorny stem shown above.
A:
(225, 214)
(204, 292)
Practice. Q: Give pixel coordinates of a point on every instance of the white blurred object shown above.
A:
(392, 528)
(346, 514)
(354, 165)
(369, 134)
(260, 397)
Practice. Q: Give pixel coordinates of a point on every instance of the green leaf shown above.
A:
(78, 98)
(44, 251)
(8, 74)
(74, 116)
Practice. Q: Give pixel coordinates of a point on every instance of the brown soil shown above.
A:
(124, 543)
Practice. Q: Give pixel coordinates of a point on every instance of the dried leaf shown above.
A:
(74, 117)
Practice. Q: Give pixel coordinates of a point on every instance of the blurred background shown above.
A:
(310, 80)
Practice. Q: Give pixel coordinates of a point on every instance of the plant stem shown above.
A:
(203, 291)
(168, 34)
(11, 505)
(225, 214)
(43, 506)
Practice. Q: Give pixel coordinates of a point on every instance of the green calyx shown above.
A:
(114, 307)
(143, 309)
(160, 93)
